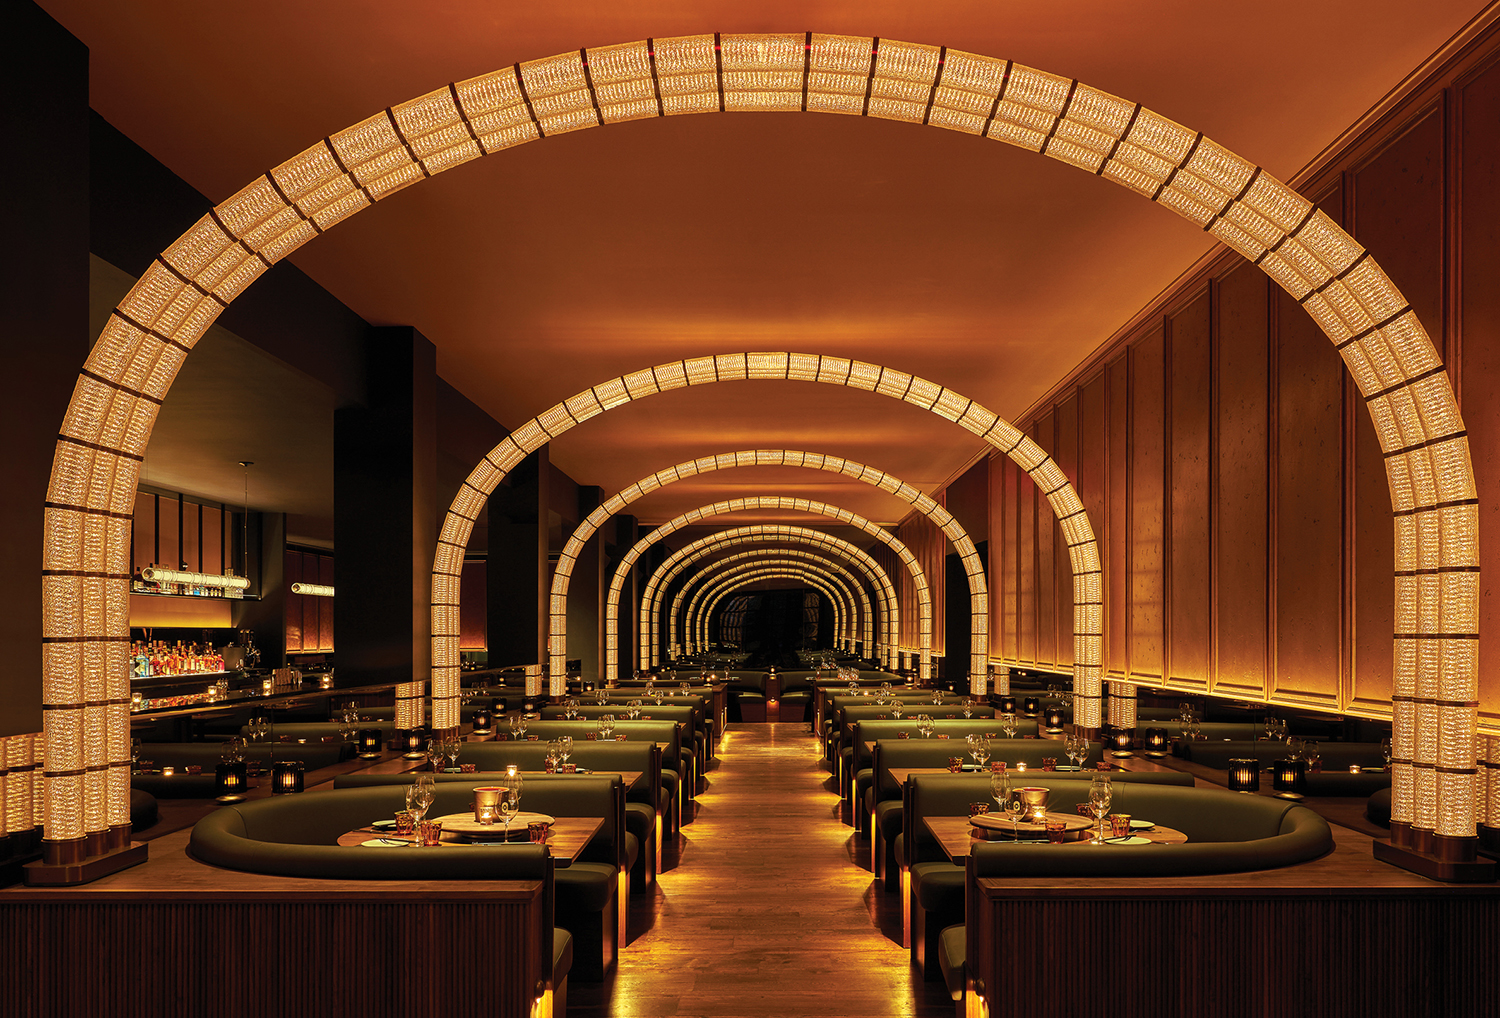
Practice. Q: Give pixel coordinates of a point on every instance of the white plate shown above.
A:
(464, 823)
(1141, 825)
(384, 843)
(1132, 840)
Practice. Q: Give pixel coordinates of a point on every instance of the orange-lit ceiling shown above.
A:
(546, 269)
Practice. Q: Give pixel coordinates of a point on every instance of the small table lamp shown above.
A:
(1053, 719)
(413, 743)
(1031, 706)
(1157, 742)
(1005, 705)
(369, 744)
(483, 719)
(233, 779)
(1244, 775)
(1122, 739)
(286, 777)
(1290, 778)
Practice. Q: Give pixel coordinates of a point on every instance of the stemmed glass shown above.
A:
(968, 707)
(435, 754)
(1385, 750)
(1015, 807)
(1000, 792)
(600, 696)
(607, 727)
(979, 749)
(554, 754)
(1101, 792)
(1009, 724)
(896, 708)
(633, 709)
(517, 725)
(684, 687)
(937, 697)
(451, 748)
(510, 799)
(1077, 748)
(565, 746)
(924, 725)
(419, 796)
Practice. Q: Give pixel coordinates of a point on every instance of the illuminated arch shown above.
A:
(734, 578)
(854, 591)
(978, 583)
(721, 570)
(902, 552)
(132, 365)
(648, 625)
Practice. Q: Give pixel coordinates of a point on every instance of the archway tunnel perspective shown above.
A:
(131, 367)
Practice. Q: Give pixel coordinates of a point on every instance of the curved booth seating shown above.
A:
(1378, 807)
(747, 696)
(1226, 833)
(465, 713)
(317, 731)
(644, 799)
(1333, 780)
(689, 713)
(881, 803)
(296, 835)
(676, 765)
(143, 811)
(207, 755)
(794, 691)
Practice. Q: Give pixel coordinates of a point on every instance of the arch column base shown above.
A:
(62, 864)
(1453, 860)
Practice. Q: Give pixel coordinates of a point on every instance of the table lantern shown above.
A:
(1290, 778)
(286, 777)
(484, 718)
(232, 781)
(1122, 740)
(369, 743)
(1052, 719)
(413, 744)
(1005, 704)
(1031, 706)
(1157, 742)
(1244, 775)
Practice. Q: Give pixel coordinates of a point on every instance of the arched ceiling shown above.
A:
(564, 262)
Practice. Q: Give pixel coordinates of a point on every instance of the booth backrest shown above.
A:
(1337, 756)
(208, 754)
(1227, 833)
(296, 835)
(857, 733)
(664, 732)
(918, 752)
(639, 755)
(318, 730)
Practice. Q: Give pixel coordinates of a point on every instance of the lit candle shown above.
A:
(1021, 766)
(168, 771)
(510, 770)
(1355, 769)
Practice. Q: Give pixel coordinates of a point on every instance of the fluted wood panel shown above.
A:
(1117, 556)
(1147, 506)
(1479, 362)
(1335, 957)
(1190, 496)
(1045, 434)
(1242, 510)
(1309, 509)
(244, 960)
(1004, 634)
(1026, 496)
(1066, 455)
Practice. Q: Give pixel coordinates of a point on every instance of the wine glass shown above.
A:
(517, 725)
(684, 688)
(968, 707)
(510, 799)
(607, 727)
(1015, 807)
(979, 749)
(451, 748)
(924, 725)
(1385, 750)
(565, 746)
(435, 754)
(1000, 792)
(1101, 792)
(896, 708)
(419, 796)
(1009, 725)
(633, 709)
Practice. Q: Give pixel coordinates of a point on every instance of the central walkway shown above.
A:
(766, 912)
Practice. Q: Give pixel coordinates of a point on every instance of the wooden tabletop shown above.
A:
(957, 836)
(567, 836)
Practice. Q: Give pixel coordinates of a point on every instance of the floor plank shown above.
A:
(766, 910)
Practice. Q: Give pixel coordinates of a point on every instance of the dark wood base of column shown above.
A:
(1437, 867)
(1489, 841)
(45, 874)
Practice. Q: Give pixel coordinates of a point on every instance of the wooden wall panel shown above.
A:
(1479, 362)
(292, 573)
(1241, 518)
(1189, 558)
(166, 538)
(1309, 509)
(1147, 506)
(213, 540)
(1066, 455)
(325, 604)
(1010, 647)
(1044, 433)
(143, 532)
(1117, 562)
(1026, 568)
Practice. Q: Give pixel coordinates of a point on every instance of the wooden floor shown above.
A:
(767, 911)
